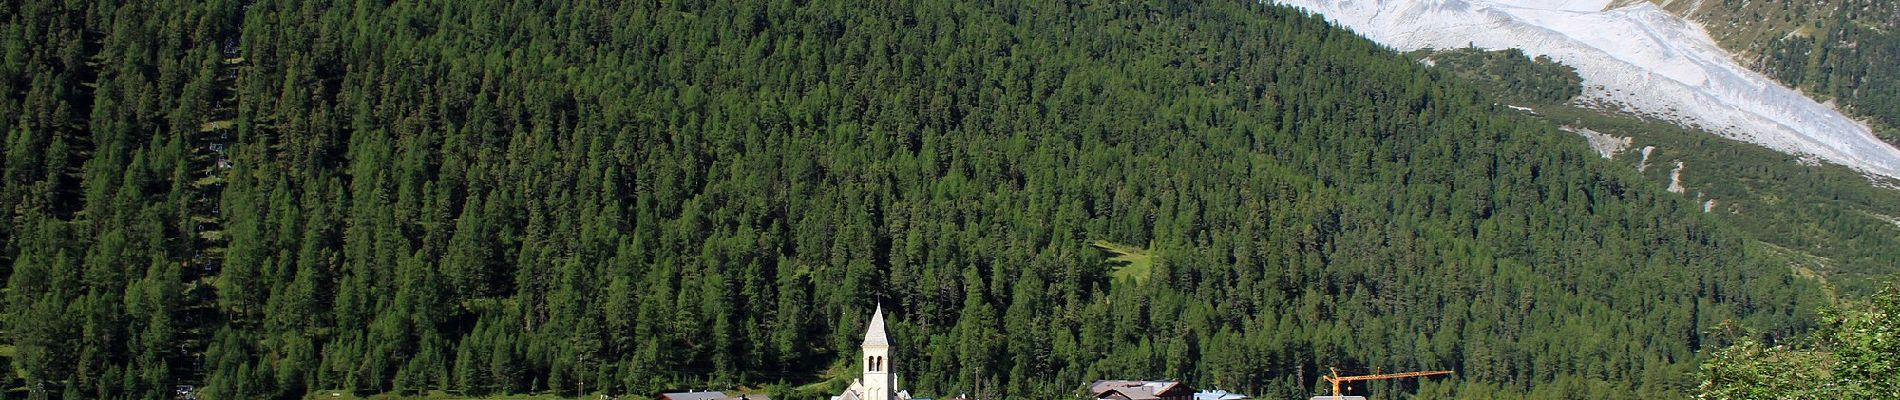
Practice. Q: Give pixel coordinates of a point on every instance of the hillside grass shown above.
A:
(1136, 263)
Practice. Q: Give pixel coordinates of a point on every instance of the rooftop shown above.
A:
(874, 336)
(1135, 390)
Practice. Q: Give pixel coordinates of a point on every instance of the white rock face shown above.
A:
(1675, 179)
(1607, 145)
(1637, 59)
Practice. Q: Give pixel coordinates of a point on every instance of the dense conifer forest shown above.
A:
(264, 199)
(1508, 74)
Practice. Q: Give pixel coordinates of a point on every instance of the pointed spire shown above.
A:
(874, 336)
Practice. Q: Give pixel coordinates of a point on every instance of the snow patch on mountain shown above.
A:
(1565, 5)
(1637, 59)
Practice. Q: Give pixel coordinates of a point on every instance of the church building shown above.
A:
(878, 383)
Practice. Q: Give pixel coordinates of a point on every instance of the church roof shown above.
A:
(874, 336)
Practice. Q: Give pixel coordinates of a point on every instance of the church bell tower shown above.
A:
(878, 384)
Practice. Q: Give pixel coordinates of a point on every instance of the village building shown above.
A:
(1140, 390)
(878, 382)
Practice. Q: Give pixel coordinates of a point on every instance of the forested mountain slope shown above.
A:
(1638, 60)
(1637, 64)
(1825, 220)
(610, 197)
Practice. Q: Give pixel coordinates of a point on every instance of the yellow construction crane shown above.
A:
(1336, 379)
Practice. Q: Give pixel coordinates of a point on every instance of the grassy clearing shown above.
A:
(216, 125)
(1137, 263)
